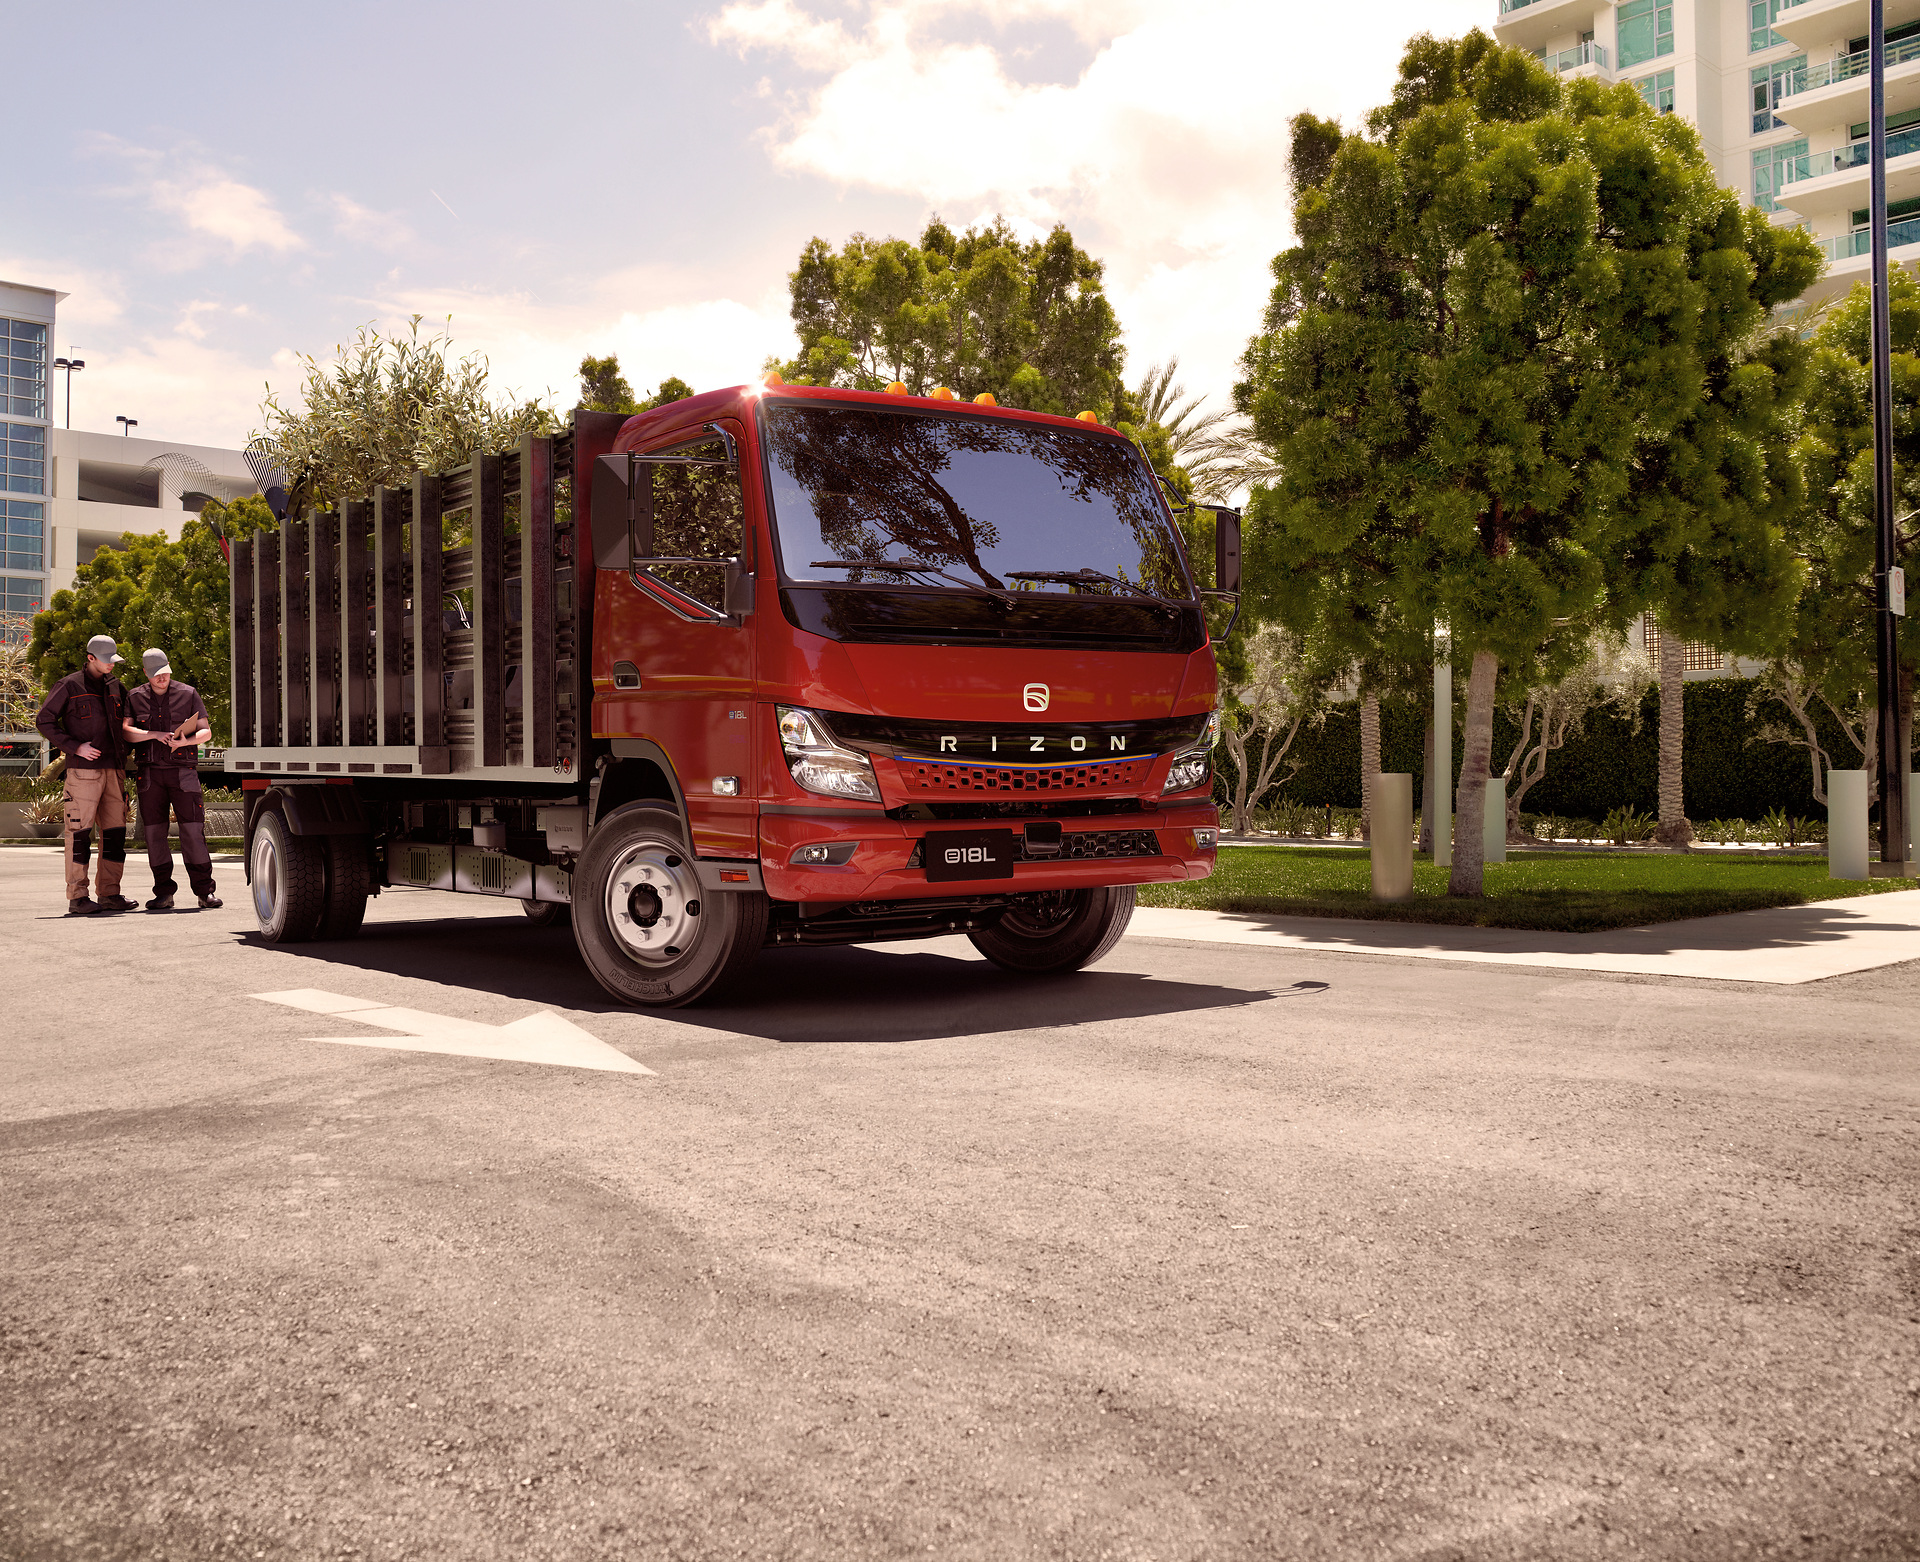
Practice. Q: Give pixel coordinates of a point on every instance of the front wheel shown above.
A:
(646, 929)
(1058, 930)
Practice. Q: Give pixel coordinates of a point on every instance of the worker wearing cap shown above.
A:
(169, 720)
(82, 719)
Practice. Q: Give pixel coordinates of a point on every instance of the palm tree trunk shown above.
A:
(1470, 816)
(1674, 829)
(1369, 760)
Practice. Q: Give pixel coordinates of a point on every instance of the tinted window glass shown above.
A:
(697, 514)
(983, 500)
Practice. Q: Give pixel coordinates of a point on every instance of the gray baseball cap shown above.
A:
(103, 647)
(155, 662)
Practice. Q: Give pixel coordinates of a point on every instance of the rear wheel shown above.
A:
(1060, 930)
(546, 913)
(349, 883)
(289, 881)
(647, 930)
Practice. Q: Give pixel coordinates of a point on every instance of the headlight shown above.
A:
(818, 764)
(1193, 767)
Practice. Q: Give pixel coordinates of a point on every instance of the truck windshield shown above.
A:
(991, 505)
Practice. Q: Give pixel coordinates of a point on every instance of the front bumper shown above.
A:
(883, 863)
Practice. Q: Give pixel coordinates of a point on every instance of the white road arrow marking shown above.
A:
(539, 1038)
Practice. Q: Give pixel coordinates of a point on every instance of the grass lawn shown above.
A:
(1575, 893)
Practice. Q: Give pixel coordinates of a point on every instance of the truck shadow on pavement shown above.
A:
(822, 995)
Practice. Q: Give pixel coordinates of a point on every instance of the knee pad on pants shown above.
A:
(113, 845)
(83, 846)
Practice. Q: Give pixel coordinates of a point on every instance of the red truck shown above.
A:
(770, 665)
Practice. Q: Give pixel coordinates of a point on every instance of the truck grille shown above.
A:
(924, 776)
(1077, 846)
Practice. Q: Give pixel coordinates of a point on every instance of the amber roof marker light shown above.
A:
(941, 393)
(1087, 417)
(771, 379)
(897, 388)
(985, 399)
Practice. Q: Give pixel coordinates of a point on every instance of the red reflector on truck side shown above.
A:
(734, 876)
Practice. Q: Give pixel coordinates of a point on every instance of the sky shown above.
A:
(227, 190)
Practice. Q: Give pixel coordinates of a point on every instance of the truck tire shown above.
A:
(289, 879)
(1061, 930)
(647, 931)
(349, 883)
(546, 913)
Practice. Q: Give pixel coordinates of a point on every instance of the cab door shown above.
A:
(674, 656)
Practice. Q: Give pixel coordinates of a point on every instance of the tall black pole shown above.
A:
(1893, 759)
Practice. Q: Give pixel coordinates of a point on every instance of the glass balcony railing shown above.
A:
(1906, 231)
(1516, 5)
(1812, 78)
(1841, 158)
(1574, 58)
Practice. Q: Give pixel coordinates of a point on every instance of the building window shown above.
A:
(1770, 170)
(1771, 83)
(19, 597)
(23, 458)
(27, 369)
(24, 538)
(1760, 14)
(1658, 91)
(1645, 30)
(1695, 657)
(1863, 216)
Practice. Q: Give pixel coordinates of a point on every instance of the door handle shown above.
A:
(626, 675)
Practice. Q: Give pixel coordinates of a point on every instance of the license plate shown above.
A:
(969, 854)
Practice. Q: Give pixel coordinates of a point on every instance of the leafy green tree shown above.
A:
(1504, 293)
(603, 388)
(672, 388)
(978, 312)
(387, 407)
(1828, 658)
(154, 592)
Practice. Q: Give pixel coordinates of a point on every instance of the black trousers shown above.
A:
(180, 790)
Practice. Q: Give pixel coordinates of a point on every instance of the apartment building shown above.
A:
(1778, 92)
(66, 493)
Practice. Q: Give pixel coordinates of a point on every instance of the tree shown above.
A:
(1828, 658)
(387, 407)
(1613, 673)
(1279, 693)
(603, 388)
(1496, 305)
(978, 312)
(154, 592)
(21, 692)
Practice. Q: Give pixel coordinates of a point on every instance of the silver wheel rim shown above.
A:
(653, 903)
(266, 877)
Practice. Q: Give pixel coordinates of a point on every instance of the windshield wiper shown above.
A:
(1088, 577)
(914, 567)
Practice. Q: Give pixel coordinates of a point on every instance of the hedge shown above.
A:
(1609, 765)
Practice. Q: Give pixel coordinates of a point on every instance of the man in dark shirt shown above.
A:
(169, 720)
(82, 719)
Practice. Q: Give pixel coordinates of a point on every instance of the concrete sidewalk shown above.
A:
(1787, 944)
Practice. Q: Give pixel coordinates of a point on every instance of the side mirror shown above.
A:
(1226, 549)
(622, 511)
(739, 589)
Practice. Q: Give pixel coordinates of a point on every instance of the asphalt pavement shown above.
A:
(1214, 1251)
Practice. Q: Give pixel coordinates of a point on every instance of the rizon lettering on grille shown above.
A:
(1038, 744)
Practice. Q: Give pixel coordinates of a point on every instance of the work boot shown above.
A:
(160, 903)
(118, 903)
(83, 907)
(209, 902)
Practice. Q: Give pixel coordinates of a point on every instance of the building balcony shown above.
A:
(1534, 24)
(1833, 94)
(1821, 24)
(1580, 57)
(1836, 183)
(1902, 235)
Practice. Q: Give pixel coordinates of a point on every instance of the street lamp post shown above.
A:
(1889, 583)
(70, 365)
(131, 424)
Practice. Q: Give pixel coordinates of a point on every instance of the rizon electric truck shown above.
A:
(770, 665)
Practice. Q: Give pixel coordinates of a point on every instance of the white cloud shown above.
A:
(363, 225)
(224, 209)
(1165, 155)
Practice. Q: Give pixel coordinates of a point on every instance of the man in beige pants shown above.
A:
(82, 719)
